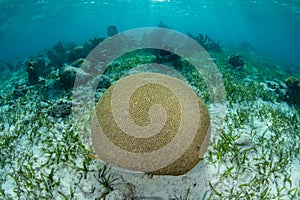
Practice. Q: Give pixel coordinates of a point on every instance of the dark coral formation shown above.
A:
(35, 69)
(62, 108)
(206, 42)
(167, 58)
(57, 55)
(76, 53)
(81, 51)
(69, 65)
(112, 30)
(20, 91)
(60, 54)
(32, 76)
(236, 61)
(67, 76)
(161, 24)
(293, 90)
(104, 82)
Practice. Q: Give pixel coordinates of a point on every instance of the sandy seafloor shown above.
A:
(43, 156)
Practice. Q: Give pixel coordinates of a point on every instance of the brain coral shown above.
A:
(152, 123)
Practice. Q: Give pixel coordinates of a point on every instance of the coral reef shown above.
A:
(81, 51)
(161, 24)
(61, 109)
(77, 53)
(33, 78)
(68, 73)
(206, 42)
(255, 151)
(167, 58)
(236, 61)
(20, 91)
(91, 44)
(104, 82)
(112, 30)
(293, 91)
(57, 55)
(35, 69)
(67, 76)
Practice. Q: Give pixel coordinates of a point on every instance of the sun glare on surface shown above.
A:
(161, 0)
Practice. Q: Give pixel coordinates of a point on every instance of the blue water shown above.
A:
(28, 27)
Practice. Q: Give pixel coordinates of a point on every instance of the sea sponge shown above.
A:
(152, 123)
